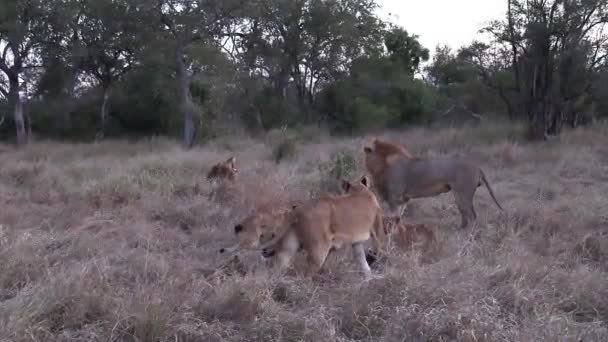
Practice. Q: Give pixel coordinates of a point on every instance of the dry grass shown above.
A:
(118, 242)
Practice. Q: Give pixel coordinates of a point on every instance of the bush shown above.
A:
(284, 150)
(342, 165)
(384, 95)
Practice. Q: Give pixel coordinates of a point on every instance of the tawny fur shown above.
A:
(399, 178)
(411, 236)
(263, 225)
(317, 227)
(225, 170)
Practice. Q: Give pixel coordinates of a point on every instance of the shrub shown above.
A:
(342, 165)
(284, 150)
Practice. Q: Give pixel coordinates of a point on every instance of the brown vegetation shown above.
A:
(111, 242)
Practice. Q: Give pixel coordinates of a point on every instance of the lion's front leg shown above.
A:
(360, 258)
(286, 249)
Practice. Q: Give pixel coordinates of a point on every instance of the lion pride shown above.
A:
(398, 178)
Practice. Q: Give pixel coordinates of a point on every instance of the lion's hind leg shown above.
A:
(464, 202)
(316, 256)
(288, 247)
(360, 257)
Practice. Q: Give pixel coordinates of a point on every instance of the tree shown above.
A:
(405, 49)
(380, 90)
(21, 27)
(547, 44)
(63, 59)
(111, 31)
(186, 22)
(302, 46)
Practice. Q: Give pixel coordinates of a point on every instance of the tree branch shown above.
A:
(3, 91)
(4, 53)
(4, 67)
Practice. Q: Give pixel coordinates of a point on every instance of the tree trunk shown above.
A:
(28, 121)
(186, 97)
(103, 112)
(68, 103)
(20, 123)
(258, 119)
(507, 103)
(559, 115)
(17, 106)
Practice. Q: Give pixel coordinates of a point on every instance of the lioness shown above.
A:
(261, 226)
(225, 170)
(317, 227)
(399, 178)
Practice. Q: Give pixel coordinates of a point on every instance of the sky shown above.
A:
(451, 22)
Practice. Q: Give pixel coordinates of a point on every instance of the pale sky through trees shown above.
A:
(451, 22)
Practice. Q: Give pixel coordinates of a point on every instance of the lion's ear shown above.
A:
(231, 160)
(345, 185)
(365, 181)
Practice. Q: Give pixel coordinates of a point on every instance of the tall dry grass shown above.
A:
(118, 242)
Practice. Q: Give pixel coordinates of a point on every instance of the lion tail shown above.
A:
(485, 181)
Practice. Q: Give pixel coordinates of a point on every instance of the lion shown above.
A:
(408, 237)
(225, 170)
(318, 227)
(398, 178)
(260, 226)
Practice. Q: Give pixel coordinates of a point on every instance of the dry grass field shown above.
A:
(119, 241)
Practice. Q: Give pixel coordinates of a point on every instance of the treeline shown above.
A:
(84, 69)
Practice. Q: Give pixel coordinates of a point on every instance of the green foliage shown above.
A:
(168, 65)
(600, 94)
(145, 102)
(366, 114)
(405, 49)
(343, 165)
(379, 92)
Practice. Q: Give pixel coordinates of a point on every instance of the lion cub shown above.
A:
(410, 236)
(326, 223)
(225, 170)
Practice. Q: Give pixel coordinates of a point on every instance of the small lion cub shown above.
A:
(225, 170)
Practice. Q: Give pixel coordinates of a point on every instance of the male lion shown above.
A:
(225, 170)
(399, 178)
(317, 227)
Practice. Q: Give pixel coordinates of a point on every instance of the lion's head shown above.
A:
(348, 187)
(225, 170)
(262, 228)
(381, 153)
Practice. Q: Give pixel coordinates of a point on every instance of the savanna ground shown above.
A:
(119, 241)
